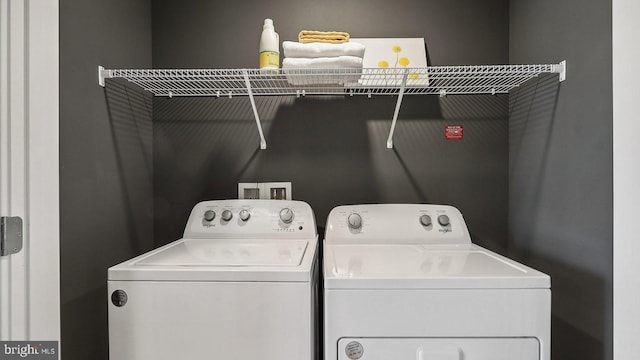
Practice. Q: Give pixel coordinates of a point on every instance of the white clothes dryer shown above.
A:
(405, 282)
(241, 284)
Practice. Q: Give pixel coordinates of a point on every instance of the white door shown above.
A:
(29, 279)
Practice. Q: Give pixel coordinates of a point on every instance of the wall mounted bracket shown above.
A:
(103, 74)
(10, 235)
(562, 71)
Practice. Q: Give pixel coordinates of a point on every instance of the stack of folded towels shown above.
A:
(322, 50)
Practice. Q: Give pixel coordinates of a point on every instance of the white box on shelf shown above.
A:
(393, 56)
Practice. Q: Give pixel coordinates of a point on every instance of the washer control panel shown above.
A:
(397, 223)
(251, 219)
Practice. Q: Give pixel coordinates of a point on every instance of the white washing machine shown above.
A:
(241, 284)
(405, 282)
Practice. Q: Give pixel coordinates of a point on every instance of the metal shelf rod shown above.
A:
(263, 141)
(397, 110)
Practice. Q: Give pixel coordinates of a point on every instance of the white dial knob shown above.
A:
(244, 215)
(355, 221)
(286, 215)
(227, 215)
(209, 215)
(443, 220)
(425, 220)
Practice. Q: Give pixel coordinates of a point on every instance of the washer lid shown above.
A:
(221, 260)
(202, 252)
(384, 266)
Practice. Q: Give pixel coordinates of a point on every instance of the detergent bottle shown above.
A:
(269, 47)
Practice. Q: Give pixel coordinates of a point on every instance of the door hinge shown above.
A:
(10, 235)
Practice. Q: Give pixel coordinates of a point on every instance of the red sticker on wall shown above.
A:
(454, 132)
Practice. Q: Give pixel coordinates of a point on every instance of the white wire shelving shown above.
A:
(432, 80)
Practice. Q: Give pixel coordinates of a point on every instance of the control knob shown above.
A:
(443, 220)
(244, 215)
(425, 220)
(355, 221)
(286, 215)
(227, 215)
(209, 215)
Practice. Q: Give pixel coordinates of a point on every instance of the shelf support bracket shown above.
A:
(263, 142)
(397, 110)
(103, 74)
(562, 71)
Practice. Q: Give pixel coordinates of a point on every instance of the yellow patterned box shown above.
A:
(392, 59)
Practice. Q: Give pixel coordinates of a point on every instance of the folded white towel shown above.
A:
(323, 62)
(315, 50)
(333, 70)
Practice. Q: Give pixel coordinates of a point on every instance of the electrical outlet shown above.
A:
(270, 190)
(278, 190)
(249, 190)
(278, 193)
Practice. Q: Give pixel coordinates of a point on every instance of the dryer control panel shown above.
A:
(397, 224)
(251, 219)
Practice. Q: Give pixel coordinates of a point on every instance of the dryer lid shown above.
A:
(385, 266)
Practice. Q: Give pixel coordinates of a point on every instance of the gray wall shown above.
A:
(106, 177)
(560, 173)
(332, 149)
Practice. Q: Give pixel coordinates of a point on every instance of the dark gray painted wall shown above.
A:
(105, 162)
(560, 175)
(225, 34)
(332, 149)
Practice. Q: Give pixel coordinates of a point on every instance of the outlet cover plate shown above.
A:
(279, 190)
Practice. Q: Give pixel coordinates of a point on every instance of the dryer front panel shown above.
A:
(438, 349)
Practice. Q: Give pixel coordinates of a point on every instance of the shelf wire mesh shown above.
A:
(439, 80)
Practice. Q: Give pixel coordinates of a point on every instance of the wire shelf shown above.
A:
(439, 80)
